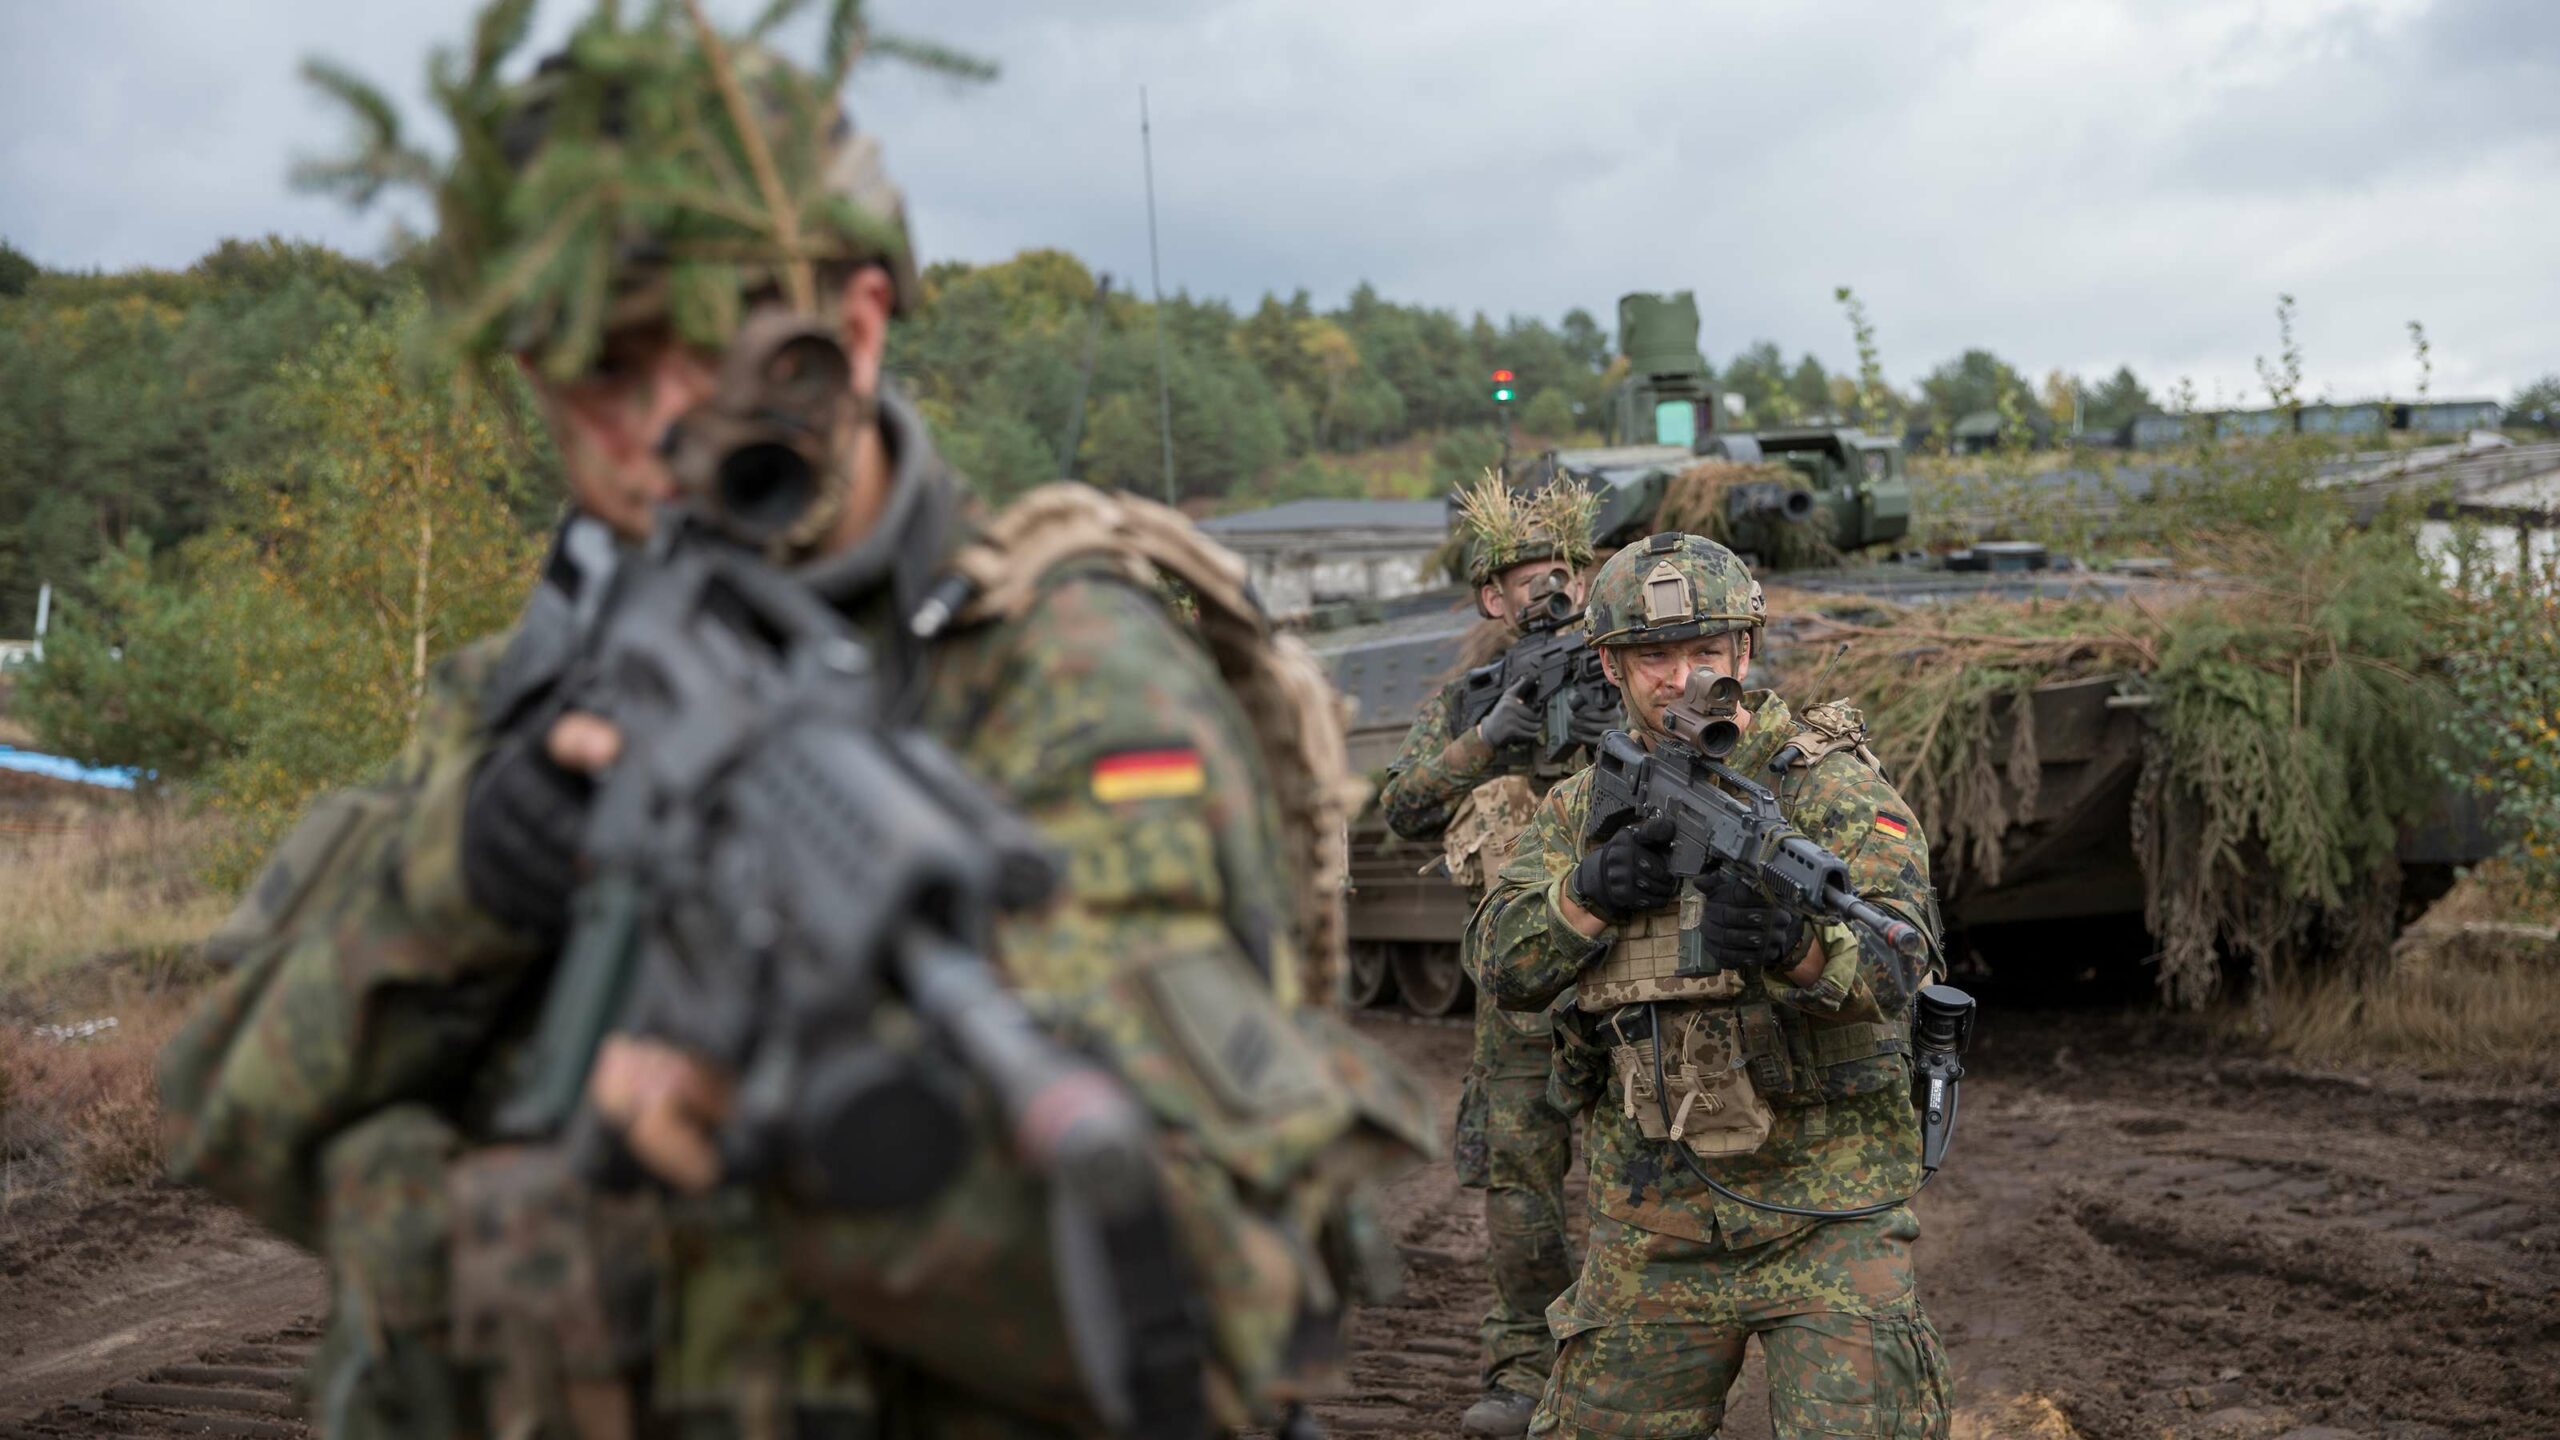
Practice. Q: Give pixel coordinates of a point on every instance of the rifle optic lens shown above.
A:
(765, 487)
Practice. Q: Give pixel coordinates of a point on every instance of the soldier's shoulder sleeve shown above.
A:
(1846, 806)
(343, 995)
(1843, 804)
(1434, 770)
(1525, 950)
(1104, 721)
(1106, 724)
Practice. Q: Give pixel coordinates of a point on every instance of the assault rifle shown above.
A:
(772, 864)
(1563, 671)
(1722, 819)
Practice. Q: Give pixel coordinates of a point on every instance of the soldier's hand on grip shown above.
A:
(1629, 873)
(1512, 719)
(1589, 721)
(521, 825)
(1742, 928)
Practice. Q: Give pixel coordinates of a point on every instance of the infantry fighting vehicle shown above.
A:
(2067, 857)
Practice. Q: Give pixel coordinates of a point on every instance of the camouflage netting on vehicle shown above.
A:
(1694, 501)
(2294, 717)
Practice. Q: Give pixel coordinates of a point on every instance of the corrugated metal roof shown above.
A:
(1429, 515)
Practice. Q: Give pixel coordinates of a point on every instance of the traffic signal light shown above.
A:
(1502, 391)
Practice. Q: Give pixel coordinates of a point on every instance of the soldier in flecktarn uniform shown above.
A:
(1784, 1071)
(615, 223)
(1473, 788)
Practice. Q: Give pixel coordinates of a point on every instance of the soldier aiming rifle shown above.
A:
(842, 965)
(1739, 905)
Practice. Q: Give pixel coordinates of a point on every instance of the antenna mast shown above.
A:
(1155, 278)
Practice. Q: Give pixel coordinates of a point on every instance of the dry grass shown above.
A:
(85, 1112)
(14, 734)
(100, 911)
(2473, 990)
(81, 880)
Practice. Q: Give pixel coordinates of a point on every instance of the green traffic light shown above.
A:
(1503, 395)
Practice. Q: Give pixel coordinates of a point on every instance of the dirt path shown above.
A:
(2140, 1239)
(107, 1292)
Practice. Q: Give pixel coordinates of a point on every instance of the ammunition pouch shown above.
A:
(1729, 1068)
(1657, 956)
(553, 1290)
(1699, 1092)
(1485, 830)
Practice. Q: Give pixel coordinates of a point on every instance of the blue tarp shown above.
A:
(56, 768)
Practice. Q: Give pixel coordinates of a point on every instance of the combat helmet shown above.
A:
(649, 171)
(1502, 527)
(1673, 586)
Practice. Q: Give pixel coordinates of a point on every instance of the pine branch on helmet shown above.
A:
(1503, 527)
(648, 172)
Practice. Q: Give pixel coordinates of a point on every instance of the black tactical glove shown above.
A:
(1629, 873)
(1742, 928)
(1513, 718)
(522, 822)
(1588, 720)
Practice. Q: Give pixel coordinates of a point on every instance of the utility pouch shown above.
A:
(553, 1290)
(1486, 829)
(1772, 1061)
(1705, 1098)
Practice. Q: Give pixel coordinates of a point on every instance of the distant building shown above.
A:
(2449, 417)
(2371, 418)
(2230, 424)
(1307, 553)
(2345, 419)
(2147, 432)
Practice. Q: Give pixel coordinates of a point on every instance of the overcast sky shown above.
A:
(2073, 183)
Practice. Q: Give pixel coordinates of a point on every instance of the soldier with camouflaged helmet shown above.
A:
(1756, 1138)
(1474, 790)
(607, 223)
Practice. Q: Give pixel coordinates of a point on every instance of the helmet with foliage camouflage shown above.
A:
(1504, 527)
(1673, 586)
(649, 171)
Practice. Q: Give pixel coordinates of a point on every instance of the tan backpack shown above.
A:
(1298, 718)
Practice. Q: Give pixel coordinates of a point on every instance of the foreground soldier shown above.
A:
(609, 222)
(1787, 1080)
(1475, 789)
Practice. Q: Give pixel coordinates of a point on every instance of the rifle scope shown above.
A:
(760, 455)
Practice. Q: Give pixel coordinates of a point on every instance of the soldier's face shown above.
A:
(608, 424)
(611, 422)
(1509, 595)
(1652, 676)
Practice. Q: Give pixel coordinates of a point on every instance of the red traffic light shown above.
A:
(1501, 377)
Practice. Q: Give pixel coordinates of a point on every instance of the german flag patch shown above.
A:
(1166, 774)
(1893, 826)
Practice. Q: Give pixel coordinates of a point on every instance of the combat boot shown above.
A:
(1501, 1412)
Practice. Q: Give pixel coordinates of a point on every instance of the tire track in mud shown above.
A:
(2170, 1243)
(243, 1390)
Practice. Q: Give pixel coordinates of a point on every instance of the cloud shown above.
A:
(2079, 183)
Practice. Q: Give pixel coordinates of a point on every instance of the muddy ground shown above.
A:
(2142, 1236)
